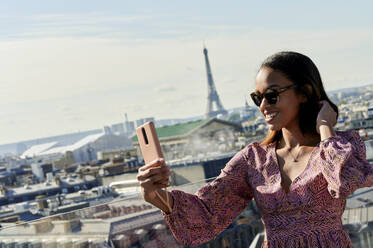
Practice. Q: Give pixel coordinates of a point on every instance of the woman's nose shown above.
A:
(264, 103)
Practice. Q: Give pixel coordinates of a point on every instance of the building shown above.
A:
(6, 178)
(117, 129)
(142, 121)
(114, 167)
(129, 126)
(62, 161)
(63, 140)
(59, 185)
(196, 138)
(40, 169)
(119, 153)
(21, 148)
(361, 123)
(83, 150)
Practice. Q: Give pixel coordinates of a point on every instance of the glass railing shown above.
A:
(362, 239)
(122, 222)
(369, 150)
(131, 222)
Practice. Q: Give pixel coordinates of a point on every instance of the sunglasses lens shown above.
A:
(271, 97)
(256, 99)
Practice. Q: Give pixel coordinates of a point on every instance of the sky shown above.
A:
(69, 66)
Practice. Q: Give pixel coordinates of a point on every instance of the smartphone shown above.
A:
(151, 150)
(149, 142)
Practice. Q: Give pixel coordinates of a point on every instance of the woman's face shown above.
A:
(284, 113)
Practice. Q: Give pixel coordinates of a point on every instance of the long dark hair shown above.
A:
(300, 70)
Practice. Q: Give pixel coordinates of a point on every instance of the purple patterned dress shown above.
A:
(309, 215)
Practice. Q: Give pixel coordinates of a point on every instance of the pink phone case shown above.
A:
(149, 142)
(151, 150)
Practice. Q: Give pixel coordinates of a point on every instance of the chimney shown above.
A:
(3, 190)
(57, 180)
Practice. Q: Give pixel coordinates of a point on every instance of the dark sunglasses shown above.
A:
(271, 95)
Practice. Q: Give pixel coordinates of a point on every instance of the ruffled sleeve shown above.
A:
(198, 218)
(344, 165)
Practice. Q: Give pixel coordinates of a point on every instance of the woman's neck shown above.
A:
(295, 137)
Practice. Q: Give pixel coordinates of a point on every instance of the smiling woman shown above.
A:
(293, 68)
(299, 176)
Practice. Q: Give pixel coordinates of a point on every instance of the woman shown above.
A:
(299, 176)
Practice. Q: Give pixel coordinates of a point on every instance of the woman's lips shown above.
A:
(270, 116)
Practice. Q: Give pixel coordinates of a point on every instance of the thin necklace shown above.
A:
(295, 159)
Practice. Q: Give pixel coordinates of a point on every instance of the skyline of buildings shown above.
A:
(129, 126)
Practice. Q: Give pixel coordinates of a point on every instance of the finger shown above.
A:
(164, 184)
(153, 171)
(154, 163)
(161, 185)
(151, 181)
(155, 185)
(162, 177)
(155, 177)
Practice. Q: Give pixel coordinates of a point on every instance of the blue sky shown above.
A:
(76, 65)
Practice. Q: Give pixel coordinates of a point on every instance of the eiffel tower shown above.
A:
(213, 96)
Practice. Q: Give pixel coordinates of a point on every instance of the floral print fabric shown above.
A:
(308, 215)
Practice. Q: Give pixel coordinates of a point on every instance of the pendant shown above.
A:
(294, 160)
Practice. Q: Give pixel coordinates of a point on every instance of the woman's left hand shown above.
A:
(327, 116)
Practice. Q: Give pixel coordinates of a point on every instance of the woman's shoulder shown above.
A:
(351, 136)
(255, 148)
(249, 157)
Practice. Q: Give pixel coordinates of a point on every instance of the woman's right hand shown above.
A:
(152, 177)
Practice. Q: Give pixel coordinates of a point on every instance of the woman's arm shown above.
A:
(198, 218)
(326, 131)
(326, 120)
(342, 157)
(160, 204)
(344, 165)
